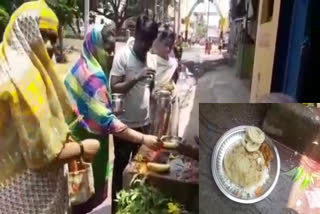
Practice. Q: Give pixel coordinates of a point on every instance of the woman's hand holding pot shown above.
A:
(152, 142)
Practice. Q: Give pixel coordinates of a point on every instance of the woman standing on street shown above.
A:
(87, 83)
(33, 110)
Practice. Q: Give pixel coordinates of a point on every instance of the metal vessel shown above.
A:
(175, 139)
(118, 104)
(161, 113)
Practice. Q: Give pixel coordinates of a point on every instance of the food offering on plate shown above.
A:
(247, 163)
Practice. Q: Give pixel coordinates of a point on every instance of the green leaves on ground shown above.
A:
(306, 179)
(145, 199)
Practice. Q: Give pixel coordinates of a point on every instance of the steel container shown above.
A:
(118, 103)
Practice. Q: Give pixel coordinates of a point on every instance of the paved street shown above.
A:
(216, 83)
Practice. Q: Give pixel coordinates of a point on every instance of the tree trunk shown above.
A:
(78, 25)
(61, 58)
(74, 30)
(118, 26)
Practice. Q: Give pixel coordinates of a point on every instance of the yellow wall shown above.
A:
(264, 52)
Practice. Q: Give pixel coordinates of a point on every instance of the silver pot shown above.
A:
(161, 112)
(118, 103)
(171, 139)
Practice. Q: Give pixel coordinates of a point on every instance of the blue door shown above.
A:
(296, 43)
(290, 42)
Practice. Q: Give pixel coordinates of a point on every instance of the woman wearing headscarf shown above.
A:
(87, 83)
(34, 109)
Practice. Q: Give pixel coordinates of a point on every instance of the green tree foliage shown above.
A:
(6, 8)
(4, 19)
(11, 5)
(5, 5)
(65, 10)
(119, 10)
(201, 30)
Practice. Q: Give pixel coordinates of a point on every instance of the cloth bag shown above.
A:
(81, 183)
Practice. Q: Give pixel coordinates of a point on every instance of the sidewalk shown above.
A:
(216, 83)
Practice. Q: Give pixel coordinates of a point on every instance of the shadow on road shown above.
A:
(198, 69)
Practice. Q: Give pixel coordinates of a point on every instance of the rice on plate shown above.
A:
(246, 164)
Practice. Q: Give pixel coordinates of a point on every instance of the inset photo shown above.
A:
(259, 158)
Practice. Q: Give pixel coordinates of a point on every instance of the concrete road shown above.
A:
(216, 83)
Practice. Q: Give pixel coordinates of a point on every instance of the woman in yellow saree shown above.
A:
(34, 109)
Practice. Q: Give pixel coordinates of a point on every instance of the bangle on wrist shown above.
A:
(81, 149)
(142, 139)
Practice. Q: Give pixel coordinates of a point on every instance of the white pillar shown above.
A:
(86, 15)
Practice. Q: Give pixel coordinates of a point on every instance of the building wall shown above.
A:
(265, 50)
